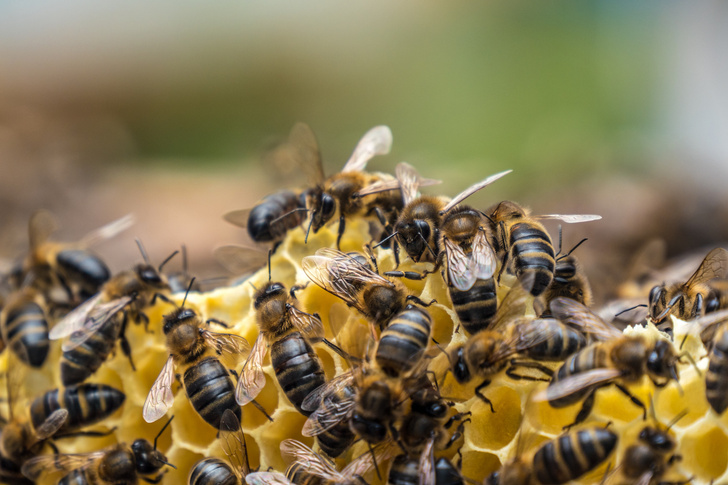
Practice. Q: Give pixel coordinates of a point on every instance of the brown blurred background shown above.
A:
(165, 110)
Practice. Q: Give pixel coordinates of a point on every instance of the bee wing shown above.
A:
(522, 336)
(51, 424)
(309, 460)
(715, 265)
(309, 325)
(108, 231)
(74, 320)
(377, 141)
(459, 266)
(228, 346)
(238, 217)
(512, 306)
(327, 416)
(41, 225)
(409, 181)
(473, 189)
(160, 397)
(252, 378)
(232, 441)
(95, 320)
(571, 218)
(315, 397)
(240, 259)
(308, 155)
(575, 383)
(267, 478)
(365, 463)
(710, 319)
(577, 315)
(377, 187)
(483, 256)
(427, 464)
(47, 464)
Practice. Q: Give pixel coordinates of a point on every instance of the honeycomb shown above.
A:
(491, 439)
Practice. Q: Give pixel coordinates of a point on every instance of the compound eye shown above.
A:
(149, 275)
(423, 228)
(328, 206)
(275, 288)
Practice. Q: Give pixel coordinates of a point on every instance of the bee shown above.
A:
(697, 296)
(615, 359)
(86, 404)
(119, 464)
(96, 325)
(24, 326)
(488, 352)
(206, 380)
(69, 267)
(214, 471)
(524, 244)
(569, 281)
(333, 439)
(287, 330)
(560, 460)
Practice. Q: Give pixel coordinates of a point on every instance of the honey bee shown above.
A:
(555, 462)
(615, 359)
(206, 380)
(24, 326)
(86, 404)
(214, 471)
(697, 296)
(119, 464)
(524, 244)
(333, 438)
(94, 327)
(69, 267)
(406, 470)
(287, 330)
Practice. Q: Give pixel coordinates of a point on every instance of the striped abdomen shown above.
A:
(266, 222)
(570, 456)
(592, 357)
(716, 382)
(210, 390)
(212, 471)
(297, 368)
(532, 256)
(337, 439)
(26, 332)
(562, 342)
(80, 362)
(86, 404)
(298, 474)
(475, 307)
(446, 473)
(404, 471)
(83, 268)
(402, 343)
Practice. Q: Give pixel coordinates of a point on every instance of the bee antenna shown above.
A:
(560, 240)
(142, 250)
(251, 284)
(300, 209)
(385, 240)
(184, 259)
(427, 245)
(374, 459)
(629, 309)
(270, 252)
(162, 431)
(167, 463)
(189, 287)
(677, 418)
(310, 223)
(673, 374)
(167, 260)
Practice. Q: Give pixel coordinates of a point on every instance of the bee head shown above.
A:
(657, 439)
(270, 291)
(324, 207)
(661, 360)
(414, 236)
(148, 459)
(460, 368)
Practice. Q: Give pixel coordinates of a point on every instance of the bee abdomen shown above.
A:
(475, 307)
(80, 362)
(446, 473)
(260, 220)
(26, 330)
(212, 471)
(404, 471)
(210, 390)
(533, 256)
(297, 368)
(584, 360)
(563, 341)
(337, 439)
(85, 268)
(86, 404)
(572, 455)
(716, 384)
(403, 341)
(297, 474)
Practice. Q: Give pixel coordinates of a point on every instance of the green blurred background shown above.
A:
(166, 109)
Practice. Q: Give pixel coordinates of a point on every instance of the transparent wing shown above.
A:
(377, 141)
(409, 181)
(160, 397)
(522, 336)
(240, 259)
(309, 325)
(343, 266)
(427, 464)
(459, 271)
(238, 217)
(51, 424)
(318, 395)
(95, 320)
(75, 320)
(108, 231)
(645, 478)
(267, 478)
(308, 460)
(571, 218)
(512, 307)
(715, 265)
(41, 225)
(252, 378)
(483, 256)
(473, 189)
(710, 319)
(46, 464)
(232, 441)
(302, 141)
(363, 464)
(377, 187)
(231, 348)
(327, 415)
(575, 383)
(577, 315)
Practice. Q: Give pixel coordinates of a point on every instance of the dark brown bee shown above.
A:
(525, 246)
(647, 461)
(716, 384)
(66, 267)
(86, 404)
(402, 344)
(24, 326)
(476, 308)
(96, 325)
(214, 471)
(197, 351)
(117, 465)
(558, 461)
(333, 439)
(697, 296)
(287, 331)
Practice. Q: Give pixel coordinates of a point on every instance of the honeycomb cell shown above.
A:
(703, 452)
(287, 425)
(670, 402)
(327, 361)
(190, 430)
(182, 458)
(494, 430)
(267, 399)
(442, 324)
(477, 465)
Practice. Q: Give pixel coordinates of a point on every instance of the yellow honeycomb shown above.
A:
(490, 439)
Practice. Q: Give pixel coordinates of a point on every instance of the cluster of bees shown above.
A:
(522, 309)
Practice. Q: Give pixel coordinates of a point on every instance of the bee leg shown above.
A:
(124, 343)
(153, 480)
(410, 275)
(457, 434)
(457, 417)
(296, 288)
(634, 399)
(90, 434)
(511, 372)
(344, 355)
(342, 228)
(478, 393)
(53, 447)
(215, 320)
(261, 409)
(584, 412)
(420, 302)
